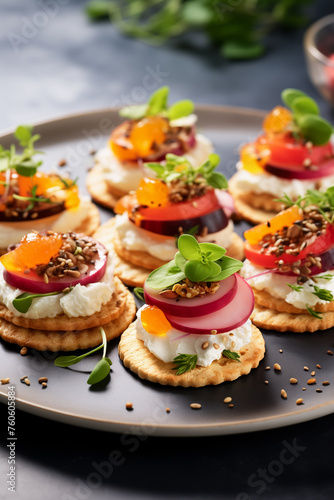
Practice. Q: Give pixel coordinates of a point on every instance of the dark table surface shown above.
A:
(59, 63)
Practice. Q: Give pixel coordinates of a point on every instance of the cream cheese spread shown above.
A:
(175, 342)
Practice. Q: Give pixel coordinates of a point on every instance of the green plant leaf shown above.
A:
(180, 109)
(134, 112)
(217, 180)
(304, 105)
(315, 129)
(231, 355)
(196, 13)
(242, 50)
(165, 276)
(189, 247)
(100, 371)
(27, 169)
(216, 251)
(23, 134)
(180, 261)
(23, 301)
(64, 361)
(158, 101)
(139, 293)
(288, 96)
(199, 271)
(228, 267)
(98, 9)
(184, 363)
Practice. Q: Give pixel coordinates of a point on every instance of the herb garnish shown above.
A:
(34, 199)
(158, 105)
(306, 119)
(231, 355)
(23, 301)
(101, 369)
(178, 167)
(195, 261)
(139, 293)
(323, 294)
(184, 363)
(23, 163)
(312, 312)
(296, 288)
(324, 201)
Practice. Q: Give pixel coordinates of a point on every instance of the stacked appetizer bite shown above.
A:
(290, 266)
(57, 289)
(293, 154)
(33, 200)
(195, 329)
(181, 199)
(149, 132)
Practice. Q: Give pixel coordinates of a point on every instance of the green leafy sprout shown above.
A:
(306, 120)
(324, 200)
(187, 362)
(237, 29)
(158, 105)
(196, 261)
(23, 163)
(179, 168)
(23, 302)
(101, 369)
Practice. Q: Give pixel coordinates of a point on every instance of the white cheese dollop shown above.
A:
(266, 183)
(175, 342)
(68, 220)
(126, 176)
(81, 301)
(277, 285)
(157, 245)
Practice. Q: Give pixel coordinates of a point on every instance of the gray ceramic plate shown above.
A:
(257, 405)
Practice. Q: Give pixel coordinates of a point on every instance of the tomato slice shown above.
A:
(286, 151)
(316, 245)
(184, 209)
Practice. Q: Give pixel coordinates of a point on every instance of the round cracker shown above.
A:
(68, 340)
(141, 361)
(244, 210)
(134, 273)
(264, 299)
(109, 311)
(100, 190)
(270, 319)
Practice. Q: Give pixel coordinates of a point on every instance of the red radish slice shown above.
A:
(35, 284)
(198, 306)
(325, 169)
(233, 315)
(225, 201)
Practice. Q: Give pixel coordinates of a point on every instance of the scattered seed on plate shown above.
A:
(24, 351)
(129, 406)
(42, 379)
(231, 405)
(311, 381)
(62, 163)
(281, 350)
(284, 394)
(277, 367)
(44, 385)
(304, 389)
(293, 380)
(196, 406)
(318, 390)
(319, 367)
(26, 381)
(306, 368)
(326, 382)
(329, 352)
(167, 410)
(228, 399)
(23, 378)
(267, 368)
(266, 381)
(312, 373)
(5, 381)
(299, 401)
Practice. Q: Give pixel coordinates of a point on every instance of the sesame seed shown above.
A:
(5, 380)
(306, 368)
(231, 405)
(318, 390)
(304, 389)
(213, 332)
(284, 394)
(266, 382)
(26, 381)
(299, 401)
(319, 367)
(129, 406)
(22, 378)
(326, 382)
(277, 367)
(216, 346)
(281, 350)
(311, 381)
(312, 373)
(167, 410)
(24, 351)
(228, 399)
(195, 406)
(329, 352)
(293, 380)
(267, 368)
(42, 379)
(44, 385)
(205, 345)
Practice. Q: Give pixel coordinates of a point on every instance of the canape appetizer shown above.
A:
(181, 199)
(293, 154)
(30, 199)
(194, 329)
(149, 132)
(290, 266)
(57, 289)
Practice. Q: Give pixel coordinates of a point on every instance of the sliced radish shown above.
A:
(35, 284)
(196, 306)
(226, 319)
(325, 169)
(213, 222)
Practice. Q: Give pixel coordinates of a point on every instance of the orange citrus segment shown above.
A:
(152, 192)
(254, 158)
(154, 321)
(277, 120)
(35, 249)
(285, 218)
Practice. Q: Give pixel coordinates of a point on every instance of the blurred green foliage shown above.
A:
(237, 28)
